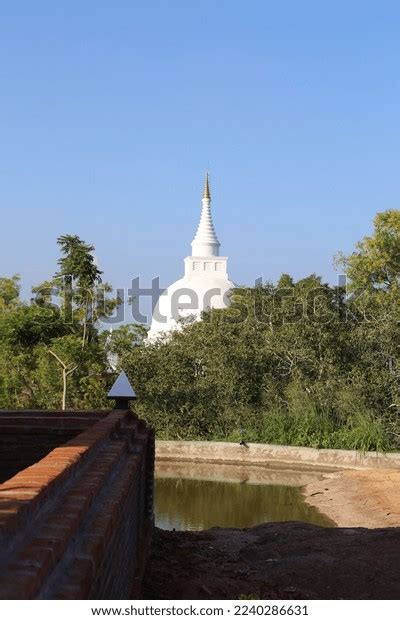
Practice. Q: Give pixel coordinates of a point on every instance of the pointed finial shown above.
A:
(206, 192)
(122, 392)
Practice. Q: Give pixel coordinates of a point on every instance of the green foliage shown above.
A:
(376, 261)
(9, 292)
(119, 343)
(77, 263)
(298, 363)
(44, 349)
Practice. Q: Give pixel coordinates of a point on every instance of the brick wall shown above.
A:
(28, 436)
(77, 523)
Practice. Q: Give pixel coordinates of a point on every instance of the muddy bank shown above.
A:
(275, 560)
(358, 498)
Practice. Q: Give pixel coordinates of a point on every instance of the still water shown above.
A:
(186, 503)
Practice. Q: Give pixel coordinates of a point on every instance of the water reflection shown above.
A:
(193, 504)
(271, 473)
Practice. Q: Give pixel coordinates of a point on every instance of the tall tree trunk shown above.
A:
(64, 396)
(84, 328)
(65, 374)
(85, 320)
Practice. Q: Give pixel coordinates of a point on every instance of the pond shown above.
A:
(193, 496)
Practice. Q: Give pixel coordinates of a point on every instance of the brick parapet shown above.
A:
(71, 525)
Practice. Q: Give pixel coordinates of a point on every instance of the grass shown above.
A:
(310, 428)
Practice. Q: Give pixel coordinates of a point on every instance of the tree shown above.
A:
(9, 292)
(39, 339)
(80, 275)
(376, 262)
(119, 343)
(374, 274)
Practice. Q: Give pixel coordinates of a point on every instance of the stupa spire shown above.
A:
(206, 192)
(205, 242)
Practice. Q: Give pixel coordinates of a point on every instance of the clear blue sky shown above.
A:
(111, 111)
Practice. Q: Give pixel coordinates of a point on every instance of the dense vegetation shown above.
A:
(301, 363)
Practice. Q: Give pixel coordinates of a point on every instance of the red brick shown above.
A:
(53, 538)
(17, 584)
(94, 547)
(37, 558)
(80, 574)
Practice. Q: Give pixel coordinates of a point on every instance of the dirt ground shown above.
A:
(292, 560)
(358, 498)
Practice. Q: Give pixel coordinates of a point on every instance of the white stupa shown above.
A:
(205, 283)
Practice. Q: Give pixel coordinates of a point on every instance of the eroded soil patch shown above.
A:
(289, 560)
